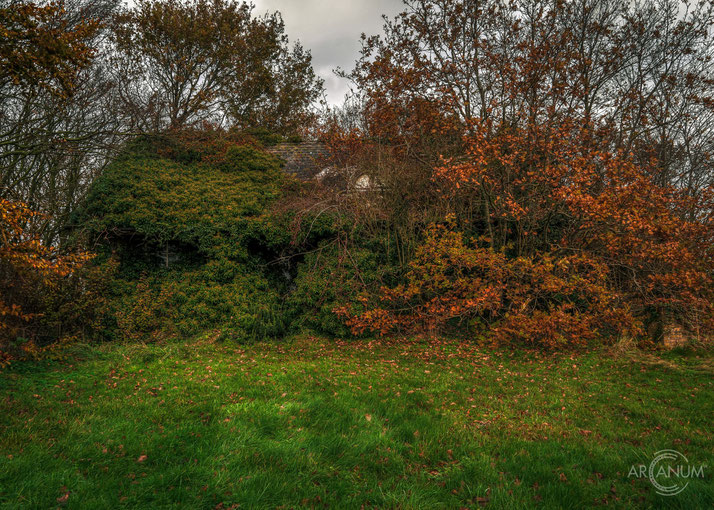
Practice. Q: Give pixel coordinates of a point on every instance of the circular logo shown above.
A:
(668, 466)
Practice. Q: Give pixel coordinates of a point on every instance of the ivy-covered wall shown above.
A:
(194, 238)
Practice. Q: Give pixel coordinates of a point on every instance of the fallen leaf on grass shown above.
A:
(481, 501)
(63, 499)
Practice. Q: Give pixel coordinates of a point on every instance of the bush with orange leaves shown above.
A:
(28, 270)
(577, 242)
(548, 301)
(561, 191)
(591, 192)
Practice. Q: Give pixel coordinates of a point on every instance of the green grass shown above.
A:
(317, 423)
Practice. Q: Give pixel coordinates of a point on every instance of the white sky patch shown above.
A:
(331, 31)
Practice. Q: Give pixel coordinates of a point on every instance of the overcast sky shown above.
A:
(331, 30)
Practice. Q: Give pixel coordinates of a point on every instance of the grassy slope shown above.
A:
(313, 423)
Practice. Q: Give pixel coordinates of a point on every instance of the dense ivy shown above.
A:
(210, 215)
(212, 207)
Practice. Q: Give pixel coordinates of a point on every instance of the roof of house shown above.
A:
(304, 159)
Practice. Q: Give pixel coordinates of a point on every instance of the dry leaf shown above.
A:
(63, 499)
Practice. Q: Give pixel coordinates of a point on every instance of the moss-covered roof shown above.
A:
(206, 204)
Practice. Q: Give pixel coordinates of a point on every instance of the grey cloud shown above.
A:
(331, 30)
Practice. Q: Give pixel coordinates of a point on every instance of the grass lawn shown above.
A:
(317, 423)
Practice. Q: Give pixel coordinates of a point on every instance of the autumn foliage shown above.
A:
(575, 209)
(532, 171)
(183, 62)
(541, 300)
(28, 269)
(39, 47)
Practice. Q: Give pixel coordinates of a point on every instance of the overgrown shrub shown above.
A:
(77, 308)
(246, 158)
(268, 138)
(198, 237)
(328, 278)
(31, 273)
(187, 302)
(553, 300)
(145, 313)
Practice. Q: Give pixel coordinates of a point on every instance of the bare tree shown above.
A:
(57, 127)
(183, 63)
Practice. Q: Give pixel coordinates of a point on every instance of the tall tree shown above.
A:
(40, 48)
(57, 121)
(582, 127)
(186, 62)
(643, 70)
